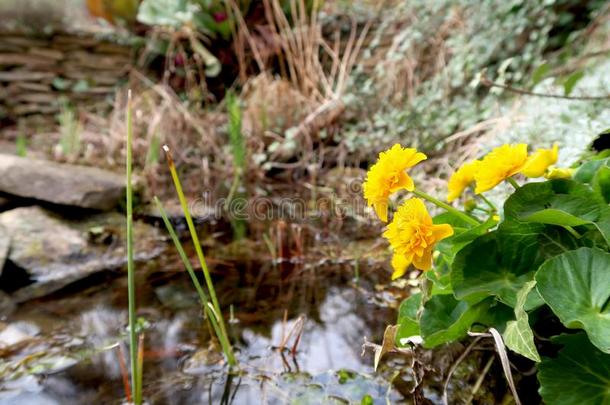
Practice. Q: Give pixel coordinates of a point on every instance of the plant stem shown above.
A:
(447, 207)
(185, 260)
(572, 231)
(513, 183)
(131, 282)
(200, 255)
(489, 203)
(203, 298)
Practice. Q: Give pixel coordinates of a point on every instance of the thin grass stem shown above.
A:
(206, 273)
(131, 282)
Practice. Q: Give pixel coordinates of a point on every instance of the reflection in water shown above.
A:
(182, 365)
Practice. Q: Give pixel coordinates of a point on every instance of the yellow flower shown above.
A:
(412, 236)
(539, 161)
(559, 173)
(500, 164)
(461, 179)
(388, 176)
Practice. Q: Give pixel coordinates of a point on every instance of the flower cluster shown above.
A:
(412, 233)
(388, 175)
(501, 164)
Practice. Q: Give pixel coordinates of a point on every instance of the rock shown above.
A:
(56, 252)
(7, 306)
(5, 241)
(4, 202)
(81, 186)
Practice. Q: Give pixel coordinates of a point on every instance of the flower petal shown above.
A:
(400, 264)
(442, 231)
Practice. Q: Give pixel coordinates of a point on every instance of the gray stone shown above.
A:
(7, 306)
(64, 184)
(56, 252)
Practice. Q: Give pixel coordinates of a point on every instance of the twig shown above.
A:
(454, 367)
(501, 349)
(489, 83)
(124, 373)
(479, 381)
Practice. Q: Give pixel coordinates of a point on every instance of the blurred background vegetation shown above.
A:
(319, 84)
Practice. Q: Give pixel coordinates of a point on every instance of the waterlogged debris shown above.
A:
(55, 252)
(81, 186)
(202, 361)
(17, 332)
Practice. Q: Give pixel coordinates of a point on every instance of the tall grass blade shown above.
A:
(222, 331)
(131, 282)
(238, 150)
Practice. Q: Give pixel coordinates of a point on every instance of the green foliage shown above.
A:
(70, 128)
(21, 145)
(237, 143)
(518, 334)
(584, 305)
(550, 250)
(580, 374)
(508, 40)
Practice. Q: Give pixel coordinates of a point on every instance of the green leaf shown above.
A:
(570, 82)
(540, 72)
(559, 202)
(587, 170)
(498, 263)
(518, 335)
(601, 182)
(407, 318)
(576, 285)
(445, 319)
(579, 375)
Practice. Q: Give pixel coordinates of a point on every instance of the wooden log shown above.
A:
(47, 53)
(24, 59)
(24, 75)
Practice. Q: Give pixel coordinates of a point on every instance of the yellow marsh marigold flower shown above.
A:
(559, 173)
(460, 179)
(498, 165)
(538, 162)
(412, 236)
(388, 176)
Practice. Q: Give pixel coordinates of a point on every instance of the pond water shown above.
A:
(298, 326)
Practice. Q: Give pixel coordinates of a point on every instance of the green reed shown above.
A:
(212, 309)
(136, 369)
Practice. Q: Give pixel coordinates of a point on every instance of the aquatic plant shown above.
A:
(136, 363)
(238, 151)
(500, 276)
(212, 308)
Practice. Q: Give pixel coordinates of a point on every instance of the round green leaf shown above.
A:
(579, 375)
(445, 319)
(407, 318)
(576, 285)
(559, 202)
(498, 263)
